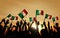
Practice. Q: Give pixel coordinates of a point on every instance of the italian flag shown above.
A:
(49, 16)
(9, 15)
(30, 19)
(23, 14)
(39, 12)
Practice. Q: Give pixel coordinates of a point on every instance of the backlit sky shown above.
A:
(14, 7)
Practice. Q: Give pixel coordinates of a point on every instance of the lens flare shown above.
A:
(40, 28)
(34, 25)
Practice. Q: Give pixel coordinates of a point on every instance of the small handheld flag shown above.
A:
(53, 19)
(37, 12)
(50, 16)
(46, 16)
(23, 14)
(30, 19)
(12, 18)
(9, 15)
(16, 17)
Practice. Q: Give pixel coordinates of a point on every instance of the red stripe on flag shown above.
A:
(25, 11)
(16, 17)
(57, 17)
(11, 18)
(35, 19)
(42, 12)
(50, 16)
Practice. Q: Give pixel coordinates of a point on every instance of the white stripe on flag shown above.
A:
(24, 14)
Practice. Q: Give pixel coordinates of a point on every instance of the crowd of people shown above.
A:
(13, 32)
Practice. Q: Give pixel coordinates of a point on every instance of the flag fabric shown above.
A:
(37, 12)
(34, 19)
(30, 19)
(50, 16)
(57, 18)
(12, 18)
(16, 17)
(23, 13)
(9, 15)
(53, 18)
(42, 12)
(46, 16)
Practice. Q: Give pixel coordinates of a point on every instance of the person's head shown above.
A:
(17, 21)
(28, 23)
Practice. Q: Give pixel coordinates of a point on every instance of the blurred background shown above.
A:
(14, 7)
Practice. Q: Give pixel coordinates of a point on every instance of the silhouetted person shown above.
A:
(48, 26)
(17, 24)
(44, 32)
(56, 26)
(51, 34)
(3, 20)
(0, 26)
(9, 30)
(37, 33)
(10, 25)
(5, 26)
(0, 23)
(37, 25)
(7, 22)
(49, 29)
(24, 25)
(21, 23)
(44, 23)
(57, 34)
(1, 30)
(28, 24)
(14, 32)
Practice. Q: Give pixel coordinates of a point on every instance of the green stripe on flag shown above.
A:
(13, 17)
(30, 19)
(53, 19)
(46, 16)
(37, 12)
(9, 15)
(21, 15)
